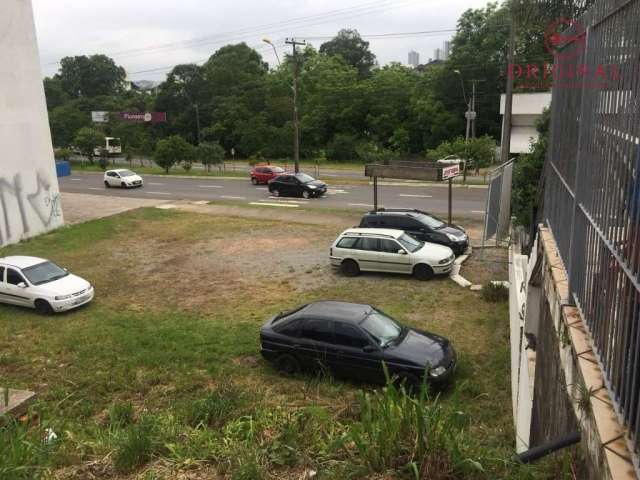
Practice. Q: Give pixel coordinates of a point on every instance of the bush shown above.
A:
(495, 292)
(62, 153)
(215, 409)
(121, 414)
(139, 442)
(187, 166)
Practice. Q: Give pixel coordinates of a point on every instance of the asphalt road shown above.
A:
(467, 201)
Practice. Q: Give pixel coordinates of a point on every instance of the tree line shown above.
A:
(350, 108)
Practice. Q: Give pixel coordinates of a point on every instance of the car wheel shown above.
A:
(288, 364)
(350, 268)
(43, 307)
(275, 192)
(305, 194)
(106, 184)
(254, 180)
(423, 272)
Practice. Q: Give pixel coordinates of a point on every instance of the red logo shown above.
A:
(565, 38)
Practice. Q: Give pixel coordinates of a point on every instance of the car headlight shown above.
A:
(453, 238)
(438, 371)
(63, 297)
(312, 187)
(445, 261)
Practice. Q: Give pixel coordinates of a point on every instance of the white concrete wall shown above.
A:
(29, 195)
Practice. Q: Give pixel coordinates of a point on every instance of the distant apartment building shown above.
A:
(446, 50)
(414, 58)
(437, 54)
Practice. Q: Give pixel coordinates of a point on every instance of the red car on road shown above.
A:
(265, 173)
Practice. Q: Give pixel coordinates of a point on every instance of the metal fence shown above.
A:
(592, 190)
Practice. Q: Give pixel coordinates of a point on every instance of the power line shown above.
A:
(310, 20)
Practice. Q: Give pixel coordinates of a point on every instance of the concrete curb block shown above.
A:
(457, 266)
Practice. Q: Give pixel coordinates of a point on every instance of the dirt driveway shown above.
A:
(80, 207)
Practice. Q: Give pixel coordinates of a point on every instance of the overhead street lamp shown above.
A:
(269, 42)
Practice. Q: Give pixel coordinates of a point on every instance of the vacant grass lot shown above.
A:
(160, 377)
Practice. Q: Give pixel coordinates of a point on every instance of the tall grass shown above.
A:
(401, 430)
(23, 451)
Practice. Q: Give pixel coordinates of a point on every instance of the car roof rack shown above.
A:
(408, 210)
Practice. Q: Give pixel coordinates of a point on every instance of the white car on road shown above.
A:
(123, 178)
(38, 283)
(387, 250)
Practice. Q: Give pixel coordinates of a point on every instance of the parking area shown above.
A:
(180, 298)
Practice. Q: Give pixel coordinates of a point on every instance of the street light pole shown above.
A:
(268, 41)
(296, 129)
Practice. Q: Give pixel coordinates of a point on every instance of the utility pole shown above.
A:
(505, 147)
(473, 109)
(199, 139)
(296, 130)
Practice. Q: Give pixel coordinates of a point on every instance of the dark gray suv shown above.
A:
(420, 225)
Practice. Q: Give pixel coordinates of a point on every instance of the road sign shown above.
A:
(99, 117)
(450, 171)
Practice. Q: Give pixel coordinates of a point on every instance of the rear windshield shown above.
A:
(431, 222)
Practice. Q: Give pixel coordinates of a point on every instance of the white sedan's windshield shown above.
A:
(44, 273)
(382, 328)
(410, 243)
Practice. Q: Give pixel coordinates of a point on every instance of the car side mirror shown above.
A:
(402, 252)
(369, 349)
(22, 285)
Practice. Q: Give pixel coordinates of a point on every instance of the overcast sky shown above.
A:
(147, 37)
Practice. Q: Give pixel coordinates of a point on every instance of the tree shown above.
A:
(65, 121)
(55, 94)
(527, 174)
(353, 49)
(210, 153)
(172, 150)
(87, 140)
(83, 76)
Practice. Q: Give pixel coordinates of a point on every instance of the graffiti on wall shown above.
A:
(24, 211)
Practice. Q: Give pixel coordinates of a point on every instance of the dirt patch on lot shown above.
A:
(486, 265)
(202, 258)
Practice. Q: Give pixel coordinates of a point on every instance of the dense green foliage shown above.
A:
(527, 175)
(349, 107)
(172, 150)
(479, 152)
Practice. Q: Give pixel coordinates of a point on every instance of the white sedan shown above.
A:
(122, 178)
(38, 283)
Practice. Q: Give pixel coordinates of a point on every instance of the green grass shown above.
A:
(161, 373)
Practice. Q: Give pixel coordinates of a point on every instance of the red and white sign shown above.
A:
(450, 171)
(144, 117)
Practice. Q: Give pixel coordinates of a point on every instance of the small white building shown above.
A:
(527, 109)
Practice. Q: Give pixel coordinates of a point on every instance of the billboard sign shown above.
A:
(99, 117)
(144, 117)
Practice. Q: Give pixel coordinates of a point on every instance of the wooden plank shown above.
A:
(402, 172)
(19, 401)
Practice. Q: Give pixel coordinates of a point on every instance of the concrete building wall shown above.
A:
(29, 195)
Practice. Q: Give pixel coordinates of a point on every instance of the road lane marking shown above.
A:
(414, 196)
(262, 188)
(285, 201)
(477, 211)
(335, 191)
(76, 179)
(94, 188)
(232, 197)
(159, 193)
(210, 186)
(157, 184)
(269, 204)
(361, 205)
